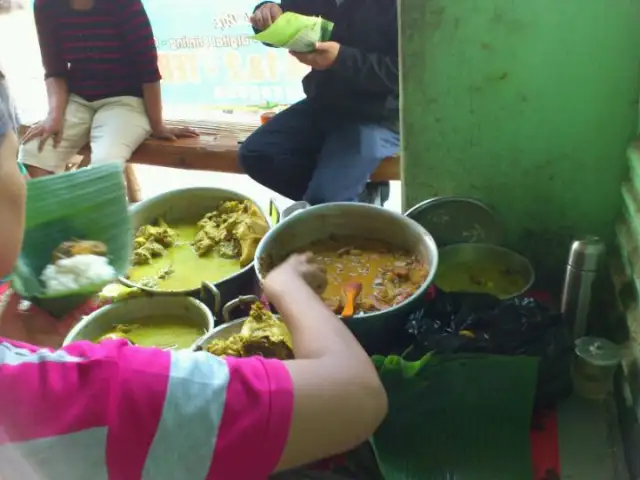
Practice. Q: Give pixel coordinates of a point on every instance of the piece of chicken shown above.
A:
(79, 247)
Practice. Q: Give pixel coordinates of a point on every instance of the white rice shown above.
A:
(69, 274)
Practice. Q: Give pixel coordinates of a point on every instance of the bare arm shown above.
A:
(13, 194)
(58, 96)
(143, 52)
(153, 103)
(338, 398)
(55, 67)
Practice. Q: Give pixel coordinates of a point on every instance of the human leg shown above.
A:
(349, 156)
(75, 134)
(120, 125)
(282, 153)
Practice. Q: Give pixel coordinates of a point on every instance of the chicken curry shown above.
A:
(182, 256)
(388, 275)
(262, 334)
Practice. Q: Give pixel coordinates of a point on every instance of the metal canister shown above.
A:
(585, 258)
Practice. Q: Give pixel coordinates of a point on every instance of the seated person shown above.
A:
(103, 84)
(112, 410)
(325, 147)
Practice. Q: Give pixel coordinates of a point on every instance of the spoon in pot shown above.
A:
(350, 292)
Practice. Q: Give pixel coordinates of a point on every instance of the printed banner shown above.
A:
(207, 59)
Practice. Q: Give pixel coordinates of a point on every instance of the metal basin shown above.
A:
(138, 311)
(229, 327)
(512, 263)
(189, 205)
(304, 224)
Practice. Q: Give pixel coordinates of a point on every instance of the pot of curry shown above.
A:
(151, 321)
(379, 264)
(196, 241)
(260, 333)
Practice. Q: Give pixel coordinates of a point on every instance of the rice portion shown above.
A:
(69, 274)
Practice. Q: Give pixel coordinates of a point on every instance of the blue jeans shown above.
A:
(306, 153)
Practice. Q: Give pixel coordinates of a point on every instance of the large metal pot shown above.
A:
(304, 224)
(189, 205)
(138, 311)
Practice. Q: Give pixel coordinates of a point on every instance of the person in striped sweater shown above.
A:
(103, 84)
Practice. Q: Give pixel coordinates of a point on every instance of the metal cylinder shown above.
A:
(584, 260)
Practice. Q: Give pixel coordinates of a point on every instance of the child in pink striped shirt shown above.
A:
(114, 411)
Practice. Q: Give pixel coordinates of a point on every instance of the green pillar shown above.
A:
(528, 105)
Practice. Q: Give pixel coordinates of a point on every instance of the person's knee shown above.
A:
(251, 155)
(36, 161)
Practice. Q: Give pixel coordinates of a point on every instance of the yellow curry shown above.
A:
(182, 256)
(483, 275)
(156, 331)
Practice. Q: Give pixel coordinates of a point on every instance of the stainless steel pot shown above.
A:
(189, 205)
(138, 311)
(229, 327)
(304, 224)
(503, 259)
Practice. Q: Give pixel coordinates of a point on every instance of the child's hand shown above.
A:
(32, 325)
(297, 266)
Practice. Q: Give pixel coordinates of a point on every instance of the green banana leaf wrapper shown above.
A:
(295, 32)
(87, 204)
(459, 417)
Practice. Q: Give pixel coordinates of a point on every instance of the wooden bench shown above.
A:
(209, 152)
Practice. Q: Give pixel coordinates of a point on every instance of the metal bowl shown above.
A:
(501, 257)
(229, 327)
(303, 225)
(189, 205)
(137, 311)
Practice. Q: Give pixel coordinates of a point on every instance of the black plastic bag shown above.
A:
(480, 323)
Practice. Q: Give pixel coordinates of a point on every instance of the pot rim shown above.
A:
(178, 192)
(82, 324)
(427, 239)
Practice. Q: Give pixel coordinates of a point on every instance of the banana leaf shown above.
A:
(295, 32)
(460, 417)
(88, 204)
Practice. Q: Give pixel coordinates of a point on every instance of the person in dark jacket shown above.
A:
(324, 148)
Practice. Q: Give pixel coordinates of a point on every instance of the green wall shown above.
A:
(528, 105)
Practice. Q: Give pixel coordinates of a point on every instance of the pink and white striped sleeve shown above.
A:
(114, 411)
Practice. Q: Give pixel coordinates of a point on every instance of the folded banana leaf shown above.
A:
(461, 417)
(88, 204)
(295, 32)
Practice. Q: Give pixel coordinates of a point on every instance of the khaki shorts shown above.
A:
(115, 127)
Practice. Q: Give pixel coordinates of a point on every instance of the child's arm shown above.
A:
(12, 197)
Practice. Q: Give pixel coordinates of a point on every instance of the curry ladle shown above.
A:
(350, 293)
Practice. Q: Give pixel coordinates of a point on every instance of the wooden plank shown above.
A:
(220, 154)
(215, 153)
